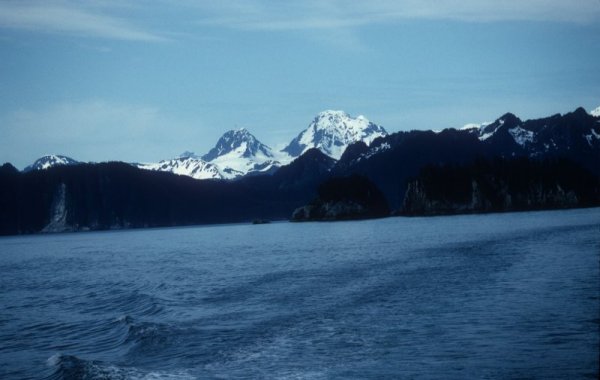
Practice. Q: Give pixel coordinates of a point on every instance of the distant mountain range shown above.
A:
(239, 153)
(54, 194)
(393, 160)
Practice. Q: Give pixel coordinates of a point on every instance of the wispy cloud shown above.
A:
(82, 19)
(337, 14)
(128, 20)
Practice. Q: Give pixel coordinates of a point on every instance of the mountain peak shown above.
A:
(49, 161)
(188, 165)
(328, 113)
(331, 131)
(238, 153)
(580, 111)
(509, 118)
(8, 168)
(240, 132)
(239, 142)
(595, 112)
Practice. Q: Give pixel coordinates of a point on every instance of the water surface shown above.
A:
(480, 296)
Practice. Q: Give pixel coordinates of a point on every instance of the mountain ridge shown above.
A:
(238, 153)
(525, 159)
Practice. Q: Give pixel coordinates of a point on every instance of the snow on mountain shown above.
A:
(332, 131)
(521, 136)
(557, 133)
(489, 130)
(595, 112)
(513, 126)
(238, 153)
(474, 126)
(185, 165)
(240, 141)
(49, 161)
(591, 137)
(233, 164)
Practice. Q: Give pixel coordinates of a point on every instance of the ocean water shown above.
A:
(482, 296)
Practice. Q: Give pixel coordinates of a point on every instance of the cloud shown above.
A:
(129, 20)
(338, 22)
(336, 14)
(82, 19)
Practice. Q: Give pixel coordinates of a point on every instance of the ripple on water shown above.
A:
(499, 296)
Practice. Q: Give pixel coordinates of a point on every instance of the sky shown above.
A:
(141, 81)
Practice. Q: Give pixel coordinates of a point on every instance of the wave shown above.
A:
(73, 368)
(125, 300)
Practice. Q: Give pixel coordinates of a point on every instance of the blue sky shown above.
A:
(146, 80)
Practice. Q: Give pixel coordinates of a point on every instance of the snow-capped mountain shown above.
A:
(238, 153)
(485, 131)
(49, 161)
(557, 133)
(508, 123)
(240, 141)
(188, 165)
(332, 131)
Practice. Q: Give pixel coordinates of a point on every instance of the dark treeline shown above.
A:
(118, 195)
(501, 185)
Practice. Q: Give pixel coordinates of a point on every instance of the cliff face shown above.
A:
(500, 186)
(58, 212)
(344, 198)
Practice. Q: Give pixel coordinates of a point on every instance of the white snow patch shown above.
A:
(595, 112)
(189, 166)
(521, 136)
(592, 136)
(234, 164)
(53, 160)
(49, 161)
(332, 131)
(378, 149)
(487, 135)
(470, 126)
